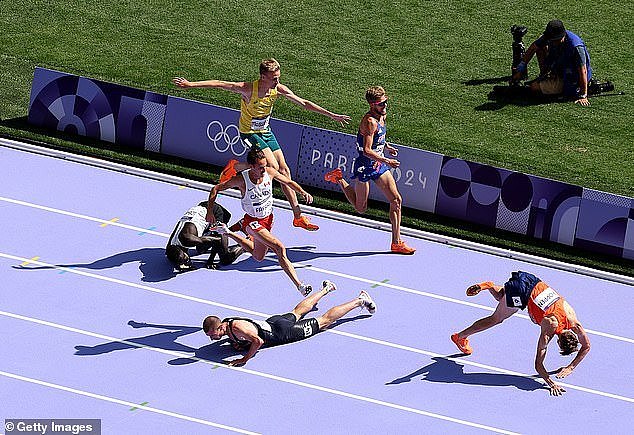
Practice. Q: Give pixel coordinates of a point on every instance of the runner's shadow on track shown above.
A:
(214, 352)
(153, 264)
(306, 253)
(296, 254)
(447, 371)
(348, 319)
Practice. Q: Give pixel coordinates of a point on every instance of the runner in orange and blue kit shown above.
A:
(546, 308)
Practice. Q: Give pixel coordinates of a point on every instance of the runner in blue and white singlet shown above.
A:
(366, 169)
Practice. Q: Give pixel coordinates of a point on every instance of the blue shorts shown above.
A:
(518, 289)
(265, 139)
(364, 170)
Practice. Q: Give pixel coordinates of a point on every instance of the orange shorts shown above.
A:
(257, 224)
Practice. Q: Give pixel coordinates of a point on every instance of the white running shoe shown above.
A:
(329, 286)
(220, 228)
(305, 289)
(368, 303)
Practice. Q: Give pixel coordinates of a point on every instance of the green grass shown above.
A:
(424, 53)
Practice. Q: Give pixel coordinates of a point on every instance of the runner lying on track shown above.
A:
(192, 231)
(251, 335)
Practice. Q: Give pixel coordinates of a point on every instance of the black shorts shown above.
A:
(285, 328)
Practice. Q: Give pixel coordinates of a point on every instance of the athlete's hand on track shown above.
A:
(237, 362)
(181, 82)
(564, 372)
(556, 390)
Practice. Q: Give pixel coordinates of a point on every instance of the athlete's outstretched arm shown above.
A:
(236, 87)
(309, 105)
(283, 179)
(235, 181)
(546, 334)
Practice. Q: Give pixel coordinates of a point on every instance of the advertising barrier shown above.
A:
(208, 133)
(324, 150)
(470, 191)
(104, 111)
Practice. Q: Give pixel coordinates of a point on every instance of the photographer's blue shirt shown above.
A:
(566, 58)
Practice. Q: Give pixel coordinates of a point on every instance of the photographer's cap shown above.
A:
(554, 30)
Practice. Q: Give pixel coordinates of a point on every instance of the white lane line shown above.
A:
(448, 299)
(82, 216)
(306, 266)
(123, 402)
(333, 331)
(317, 269)
(239, 369)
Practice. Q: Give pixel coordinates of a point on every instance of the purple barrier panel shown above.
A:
(323, 150)
(511, 201)
(208, 133)
(97, 109)
(606, 224)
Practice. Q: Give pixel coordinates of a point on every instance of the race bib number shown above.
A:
(546, 298)
(258, 124)
(308, 330)
(517, 301)
(255, 225)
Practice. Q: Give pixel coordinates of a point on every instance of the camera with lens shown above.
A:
(519, 50)
(597, 87)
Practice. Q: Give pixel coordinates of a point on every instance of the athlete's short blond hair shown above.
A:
(269, 65)
(374, 94)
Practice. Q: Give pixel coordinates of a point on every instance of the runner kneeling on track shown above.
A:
(546, 308)
(256, 186)
(251, 335)
(192, 231)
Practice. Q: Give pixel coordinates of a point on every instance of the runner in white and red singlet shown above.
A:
(256, 186)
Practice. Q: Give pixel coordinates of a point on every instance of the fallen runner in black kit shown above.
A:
(251, 335)
(192, 232)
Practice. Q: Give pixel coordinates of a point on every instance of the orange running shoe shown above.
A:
(229, 171)
(334, 176)
(402, 248)
(462, 343)
(474, 290)
(304, 222)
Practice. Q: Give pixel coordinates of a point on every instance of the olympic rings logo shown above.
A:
(225, 138)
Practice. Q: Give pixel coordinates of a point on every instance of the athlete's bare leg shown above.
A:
(307, 304)
(501, 313)
(264, 240)
(388, 186)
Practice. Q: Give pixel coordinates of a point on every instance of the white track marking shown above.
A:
(123, 402)
(317, 269)
(239, 369)
(333, 331)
